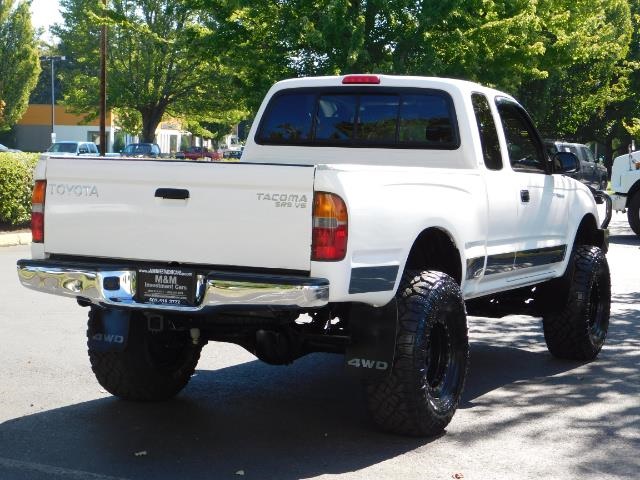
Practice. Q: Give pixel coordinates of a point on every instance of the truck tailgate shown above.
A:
(248, 215)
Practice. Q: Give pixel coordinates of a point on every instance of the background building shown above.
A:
(33, 131)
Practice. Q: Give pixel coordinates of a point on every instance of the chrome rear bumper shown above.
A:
(214, 289)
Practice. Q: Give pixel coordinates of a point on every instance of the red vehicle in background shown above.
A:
(196, 153)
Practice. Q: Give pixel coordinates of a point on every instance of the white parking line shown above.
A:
(52, 471)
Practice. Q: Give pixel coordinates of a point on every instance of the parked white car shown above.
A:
(73, 149)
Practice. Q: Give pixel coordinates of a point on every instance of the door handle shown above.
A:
(524, 196)
(172, 193)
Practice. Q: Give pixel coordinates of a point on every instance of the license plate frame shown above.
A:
(166, 286)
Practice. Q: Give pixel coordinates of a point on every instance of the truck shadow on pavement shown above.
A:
(625, 239)
(309, 419)
(530, 385)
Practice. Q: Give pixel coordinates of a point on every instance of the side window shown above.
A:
(525, 153)
(588, 154)
(93, 148)
(577, 152)
(488, 132)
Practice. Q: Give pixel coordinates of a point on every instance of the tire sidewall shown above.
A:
(633, 213)
(404, 402)
(134, 373)
(600, 279)
(569, 325)
(446, 312)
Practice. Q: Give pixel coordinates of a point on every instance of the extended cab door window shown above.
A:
(526, 153)
(488, 132)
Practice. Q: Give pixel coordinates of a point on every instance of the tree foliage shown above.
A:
(16, 185)
(585, 63)
(572, 63)
(19, 65)
(565, 59)
(158, 63)
(617, 123)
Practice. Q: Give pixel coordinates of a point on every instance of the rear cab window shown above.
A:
(339, 117)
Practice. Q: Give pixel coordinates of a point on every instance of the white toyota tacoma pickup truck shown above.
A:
(369, 216)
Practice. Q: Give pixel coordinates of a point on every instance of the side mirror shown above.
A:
(565, 162)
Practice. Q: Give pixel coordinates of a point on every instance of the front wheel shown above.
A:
(422, 392)
(153, 366)
(575, 327)
(633, 213)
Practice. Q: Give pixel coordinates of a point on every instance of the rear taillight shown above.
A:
(37, 211)
(330, 227)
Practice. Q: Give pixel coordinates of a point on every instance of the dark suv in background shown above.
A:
(139, 150)
(590, 171)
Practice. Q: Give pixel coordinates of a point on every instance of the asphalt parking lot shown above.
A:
(525, 415)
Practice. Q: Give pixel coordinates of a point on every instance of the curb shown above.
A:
(13, 239)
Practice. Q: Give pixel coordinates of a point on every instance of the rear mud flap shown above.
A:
(110, 331)
(373, 331)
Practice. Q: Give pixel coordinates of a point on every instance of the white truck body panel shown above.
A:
(624, 173)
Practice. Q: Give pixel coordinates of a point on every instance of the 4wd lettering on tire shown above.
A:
(366, 363)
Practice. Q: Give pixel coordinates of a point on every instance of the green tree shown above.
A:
(19, 64)
(492, 41)
(564, 59)
(617, 123)
(160, 62)
(586, 44)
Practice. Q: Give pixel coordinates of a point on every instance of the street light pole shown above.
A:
(103, 88)
(52, 59)
(53, 102)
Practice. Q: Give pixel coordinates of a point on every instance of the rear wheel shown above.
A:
(153, 365)
(575, 327)
(633, 213)
(422, 392)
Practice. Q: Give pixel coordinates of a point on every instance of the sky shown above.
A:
(44, 14)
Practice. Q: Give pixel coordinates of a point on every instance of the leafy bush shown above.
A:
(16, 183)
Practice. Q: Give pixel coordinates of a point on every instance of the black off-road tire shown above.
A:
(152, 367)
(633, 213)
(422, 392)
(576, 327)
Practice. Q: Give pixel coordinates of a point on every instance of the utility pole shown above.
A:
(52, 59)
(103, 88)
